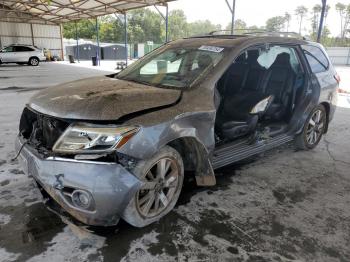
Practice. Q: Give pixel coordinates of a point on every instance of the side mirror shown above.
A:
(261, 107)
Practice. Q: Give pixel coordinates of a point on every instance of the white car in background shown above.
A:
(22, 54)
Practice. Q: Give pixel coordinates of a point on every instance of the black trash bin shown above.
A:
(71, 59)
(94, 60)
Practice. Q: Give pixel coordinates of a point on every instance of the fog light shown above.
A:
(81, 199)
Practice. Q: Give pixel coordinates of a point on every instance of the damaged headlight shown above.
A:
(86, 138)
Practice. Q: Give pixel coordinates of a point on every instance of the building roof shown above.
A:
(61, 11)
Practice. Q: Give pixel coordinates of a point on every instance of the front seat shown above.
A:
(279, 81)
(235, 119)
(203, 61)
(235, 128)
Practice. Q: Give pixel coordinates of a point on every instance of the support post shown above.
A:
(232, 10)
(32, 34)
(320, 28)
(98, 43)
(167, 24)
(166, 19)
(76, 37)
(61, 35)
(126, 38)
(233, 16)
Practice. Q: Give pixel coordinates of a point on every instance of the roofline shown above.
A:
(259, 33)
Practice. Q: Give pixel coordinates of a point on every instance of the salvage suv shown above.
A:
(118, 146)
(22, 54)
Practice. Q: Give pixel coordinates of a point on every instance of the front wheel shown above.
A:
(313, 129)
(163, 177)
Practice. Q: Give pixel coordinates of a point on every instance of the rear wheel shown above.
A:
(163, 176)
(313, 129)
(33, 61)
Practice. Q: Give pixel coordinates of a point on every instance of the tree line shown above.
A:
(303, 15)
(146, 25)
(142, 25)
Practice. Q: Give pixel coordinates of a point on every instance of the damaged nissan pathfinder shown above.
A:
(118, 146)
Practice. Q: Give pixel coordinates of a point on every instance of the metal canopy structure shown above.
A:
(61, 11)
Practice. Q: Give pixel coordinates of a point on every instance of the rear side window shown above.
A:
(8, 49)
(316, 58)
(23, 49)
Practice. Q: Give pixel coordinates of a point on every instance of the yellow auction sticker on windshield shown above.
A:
(214, 49)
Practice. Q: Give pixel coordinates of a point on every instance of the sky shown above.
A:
(254, 12)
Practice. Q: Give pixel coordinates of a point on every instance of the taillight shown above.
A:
(337, 78)
(342, 91)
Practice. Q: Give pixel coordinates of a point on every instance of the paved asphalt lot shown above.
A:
(283, 206)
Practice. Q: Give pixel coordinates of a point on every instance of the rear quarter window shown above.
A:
(23, 49)
(318, 61)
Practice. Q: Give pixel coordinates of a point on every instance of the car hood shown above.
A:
(101, 98)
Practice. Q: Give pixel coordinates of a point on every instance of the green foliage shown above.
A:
(301, 11)
(287, 18)
(202, 27)
(178, 25)
(86, 29)
(143, 25)
(275, 23)
(146, 25)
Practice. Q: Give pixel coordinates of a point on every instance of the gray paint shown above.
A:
(110, 185)
(189, 116)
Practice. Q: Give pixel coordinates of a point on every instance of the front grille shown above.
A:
(42, 131)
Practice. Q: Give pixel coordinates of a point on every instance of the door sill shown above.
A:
(239, 150)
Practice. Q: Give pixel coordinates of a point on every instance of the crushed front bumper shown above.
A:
(110, 185)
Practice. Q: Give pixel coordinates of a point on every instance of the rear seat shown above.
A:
(277, 82)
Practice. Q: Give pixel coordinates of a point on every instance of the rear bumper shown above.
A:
(110, 185)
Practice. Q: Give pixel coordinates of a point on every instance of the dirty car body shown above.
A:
(84, 141)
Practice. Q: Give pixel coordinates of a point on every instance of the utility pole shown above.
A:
(77, 39)
(320, 28)
(98, 43)
(232, 10)
(126, 38)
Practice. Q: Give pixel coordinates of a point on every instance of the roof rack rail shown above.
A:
(219, 31)
(261, 32)
(276, 33)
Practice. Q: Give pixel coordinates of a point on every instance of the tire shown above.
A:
(313, 130)
(33, 61)
(161, 192)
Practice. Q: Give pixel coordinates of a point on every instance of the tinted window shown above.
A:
(316, 58)
(8, 49)
(23, 49)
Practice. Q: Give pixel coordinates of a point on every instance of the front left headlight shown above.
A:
(88, 138)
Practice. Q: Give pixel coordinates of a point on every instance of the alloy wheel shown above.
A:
(160, 184)
(34, 62)
(315, 127)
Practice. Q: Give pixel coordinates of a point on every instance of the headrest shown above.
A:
(282, 59)
(253, 55)
(204, 61)
(241, 58)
